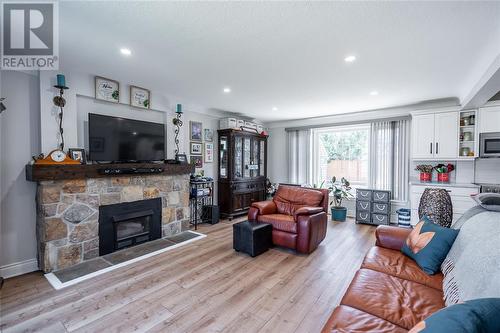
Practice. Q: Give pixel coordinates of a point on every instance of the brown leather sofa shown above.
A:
(389, 293)
(298, 215)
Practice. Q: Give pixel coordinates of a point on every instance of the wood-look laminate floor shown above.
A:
(201, 287)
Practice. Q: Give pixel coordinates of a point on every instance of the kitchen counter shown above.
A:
(450, 184)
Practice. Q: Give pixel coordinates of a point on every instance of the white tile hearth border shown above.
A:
(57, 284)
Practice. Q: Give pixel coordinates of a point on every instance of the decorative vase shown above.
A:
(425, 176)
(444, 177)
(339, 214)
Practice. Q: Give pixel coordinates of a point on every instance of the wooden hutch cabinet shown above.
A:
(242, 170)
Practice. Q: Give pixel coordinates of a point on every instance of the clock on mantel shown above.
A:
(56, 157)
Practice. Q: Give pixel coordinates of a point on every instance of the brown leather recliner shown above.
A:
(298, 215)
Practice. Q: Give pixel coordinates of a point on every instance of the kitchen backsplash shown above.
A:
(487, 171)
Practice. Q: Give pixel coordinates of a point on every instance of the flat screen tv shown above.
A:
(114, 139)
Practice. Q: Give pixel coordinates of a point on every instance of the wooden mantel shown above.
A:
(37, 173)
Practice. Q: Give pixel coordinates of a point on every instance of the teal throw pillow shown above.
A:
(428, 244)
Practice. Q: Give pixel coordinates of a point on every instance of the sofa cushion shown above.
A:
(428, 244)
(290, 198)
(475, 316)
(280, 222)
(395, 263)
(489, 201)
(401, 302)
(347, 319)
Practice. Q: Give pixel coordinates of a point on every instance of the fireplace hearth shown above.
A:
(128, 224)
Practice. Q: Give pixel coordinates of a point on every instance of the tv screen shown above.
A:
(113, 139)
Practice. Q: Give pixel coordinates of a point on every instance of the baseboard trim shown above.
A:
(19, 268)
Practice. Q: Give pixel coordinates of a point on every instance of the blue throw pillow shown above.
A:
(428, 244)
(474, 316)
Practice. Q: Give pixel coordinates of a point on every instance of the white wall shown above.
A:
(19, 140)
(80, 102)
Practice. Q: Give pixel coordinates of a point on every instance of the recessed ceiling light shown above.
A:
(125, 51)
(350, 58)
(226, 90)
(374, 93)
(275, 108)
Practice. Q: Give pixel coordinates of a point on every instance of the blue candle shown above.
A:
(61, 80)
(179, 108)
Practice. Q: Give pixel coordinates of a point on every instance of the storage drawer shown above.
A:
(380, 219)
(380, 208)
(363, 205)
(381, 196)
(364, 217)
(364, 194)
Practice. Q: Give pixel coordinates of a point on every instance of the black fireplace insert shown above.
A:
(127, 224)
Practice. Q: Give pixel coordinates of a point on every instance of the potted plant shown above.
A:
(443, 172)
(425, 172)
(339, 192)
(270, 189)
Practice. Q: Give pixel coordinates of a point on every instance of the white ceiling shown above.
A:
(286, 54)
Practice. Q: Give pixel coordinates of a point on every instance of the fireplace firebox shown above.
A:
(128, 224)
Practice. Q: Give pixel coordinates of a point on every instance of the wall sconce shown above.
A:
(2, 107)
(60, 102)
(178, 124)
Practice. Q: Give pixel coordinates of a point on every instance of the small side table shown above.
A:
(252, 237)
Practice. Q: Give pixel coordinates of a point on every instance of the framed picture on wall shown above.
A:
(140, 97)
(195, 148)
(197, 161)
(209, 134)
(107, 89)
(195, 130)
(209, 152)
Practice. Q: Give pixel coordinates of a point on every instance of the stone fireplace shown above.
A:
(68, 214)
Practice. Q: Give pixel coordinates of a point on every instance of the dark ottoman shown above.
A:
(252, 237)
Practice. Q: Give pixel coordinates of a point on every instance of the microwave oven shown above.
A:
(489, 145)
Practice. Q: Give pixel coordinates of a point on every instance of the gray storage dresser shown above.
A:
(373, 206)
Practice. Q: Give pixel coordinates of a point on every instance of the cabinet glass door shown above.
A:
(262, 153)
(255, 158)
(223, 157)
(238, 157)
(246, 157)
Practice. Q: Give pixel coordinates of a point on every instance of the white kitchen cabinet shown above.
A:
(446, 135)
(435, 135)
(489, 119)
(423, 136)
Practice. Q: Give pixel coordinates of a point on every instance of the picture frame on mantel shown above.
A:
(107, 89)
(195, 131)
(140, 97)
(78, 154)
